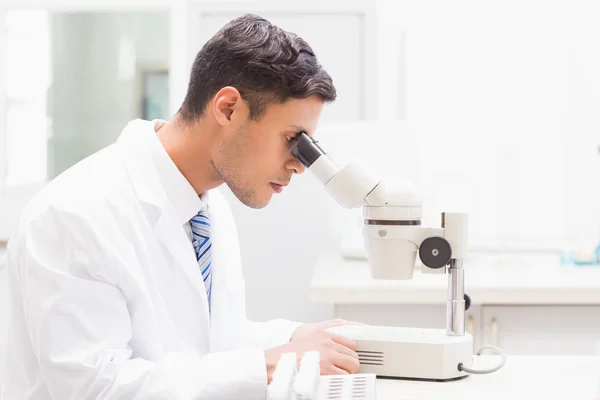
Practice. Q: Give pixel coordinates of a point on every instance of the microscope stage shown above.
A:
(409, 353)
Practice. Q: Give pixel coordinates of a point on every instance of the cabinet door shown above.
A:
(417, 316)
(543, 330)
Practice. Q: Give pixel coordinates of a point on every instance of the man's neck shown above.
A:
(190, 146)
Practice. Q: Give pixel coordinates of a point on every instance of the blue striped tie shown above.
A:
(202, 244)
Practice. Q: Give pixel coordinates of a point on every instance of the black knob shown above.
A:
(435, 252)
(467, 302)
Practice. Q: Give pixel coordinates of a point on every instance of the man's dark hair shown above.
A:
(263, 62)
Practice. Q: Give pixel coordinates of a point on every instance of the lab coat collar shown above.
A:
(178, 190)
(139, 137)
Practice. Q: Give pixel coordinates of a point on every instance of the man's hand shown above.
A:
(309, 329)
(337, 353)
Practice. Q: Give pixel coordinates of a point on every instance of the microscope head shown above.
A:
(392, 229)
(391, 209)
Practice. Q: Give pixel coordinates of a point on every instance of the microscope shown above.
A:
(393, 236)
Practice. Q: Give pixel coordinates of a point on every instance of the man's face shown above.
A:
(255, 161)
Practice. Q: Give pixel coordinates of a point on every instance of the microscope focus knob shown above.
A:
(435, 252)
(467, 302)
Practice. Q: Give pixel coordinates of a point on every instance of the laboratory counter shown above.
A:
(522, 377)
(488, 280)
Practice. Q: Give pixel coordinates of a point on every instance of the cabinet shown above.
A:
(540, 330)
(516, 329)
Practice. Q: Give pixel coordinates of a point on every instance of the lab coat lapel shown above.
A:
(158, 210)
(228, 297)
(219, 301)
(175, 240)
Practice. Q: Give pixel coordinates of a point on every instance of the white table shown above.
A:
(522, 377)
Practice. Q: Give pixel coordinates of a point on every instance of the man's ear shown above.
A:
(226, 102)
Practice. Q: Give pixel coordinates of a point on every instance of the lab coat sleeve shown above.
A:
(271, 333)
(78, 322)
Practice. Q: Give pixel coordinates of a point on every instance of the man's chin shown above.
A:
(256, 203)
(257, 206)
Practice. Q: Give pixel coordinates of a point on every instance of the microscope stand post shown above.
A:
(455, 305)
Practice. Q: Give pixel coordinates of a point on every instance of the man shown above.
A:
(124, 271)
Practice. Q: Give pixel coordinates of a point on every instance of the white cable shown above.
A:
(485, 371)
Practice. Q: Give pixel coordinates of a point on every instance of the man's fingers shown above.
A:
(346, 362)
(346, 350)
(333, 370)
(344, 341)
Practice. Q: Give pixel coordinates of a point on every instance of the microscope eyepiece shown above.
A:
(307, 149)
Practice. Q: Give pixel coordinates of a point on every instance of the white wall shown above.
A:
(513, 88)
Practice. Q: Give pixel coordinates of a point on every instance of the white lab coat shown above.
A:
(107, 301)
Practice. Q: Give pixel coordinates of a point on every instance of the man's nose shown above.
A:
(295, 165)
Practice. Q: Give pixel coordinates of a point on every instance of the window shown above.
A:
(73, 80)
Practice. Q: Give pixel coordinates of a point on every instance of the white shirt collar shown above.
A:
(178, 190)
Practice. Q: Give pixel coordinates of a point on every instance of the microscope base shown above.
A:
(409, 353)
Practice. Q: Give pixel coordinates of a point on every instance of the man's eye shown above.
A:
(290, 138)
